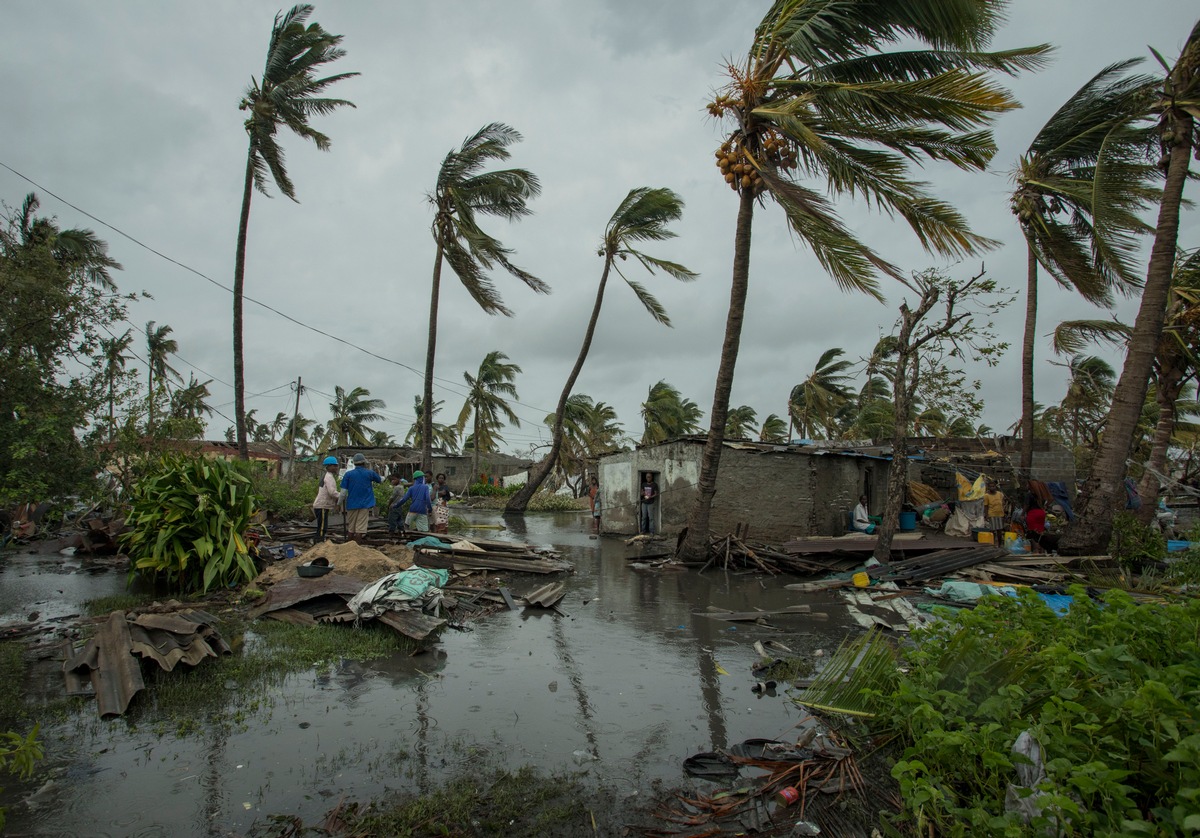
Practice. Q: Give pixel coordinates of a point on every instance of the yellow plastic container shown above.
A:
(983, 537)
(861, 580)
(1009, 539)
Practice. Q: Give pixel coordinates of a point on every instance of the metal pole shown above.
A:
(292, 435)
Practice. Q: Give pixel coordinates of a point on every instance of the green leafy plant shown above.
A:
(17, 756)
(186, 522)
(1134, 543)
(1109, 692)
(486, 490)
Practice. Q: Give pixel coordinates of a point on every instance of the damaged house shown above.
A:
(807, 488)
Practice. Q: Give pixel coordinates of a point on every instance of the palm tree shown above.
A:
(80, 251)
(813, 403)
(350, 413)
(667, 414)
(295, 434)
(464, 192)
(485, 401)
(158, 346)
(190, 401)
(113, 352)
(444, 436)
(1176, 107)
(381, 439)
(740, 422)
(1079, 188)
(287, 96)
(643, 216)
(816, 95)
(773, 430)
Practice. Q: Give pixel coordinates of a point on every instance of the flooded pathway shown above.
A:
(625, 686)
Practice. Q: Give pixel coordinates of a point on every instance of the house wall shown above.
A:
(779, 495)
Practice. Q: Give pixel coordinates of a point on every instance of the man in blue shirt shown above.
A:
(360, 497)
(421, 495)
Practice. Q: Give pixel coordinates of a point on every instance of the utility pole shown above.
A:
(292, 434)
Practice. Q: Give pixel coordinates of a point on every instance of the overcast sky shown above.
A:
(128, 110)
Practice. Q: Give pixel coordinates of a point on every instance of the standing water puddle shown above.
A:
(626, 686)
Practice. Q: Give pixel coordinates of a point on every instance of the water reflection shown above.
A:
(627, 685)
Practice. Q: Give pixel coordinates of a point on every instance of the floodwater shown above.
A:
(625, 686)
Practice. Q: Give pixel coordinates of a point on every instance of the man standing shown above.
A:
(327, 498)
(994, 506)
(360, 497)
(395, 520)
(649, 502)
(594, 499)
(421, 496)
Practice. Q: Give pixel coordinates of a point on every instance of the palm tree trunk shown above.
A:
(239, 284)
(898, 470)
(518, 502)
(1170, 385)
(150, 397)
(427, 416)
(695, 546)
(1103, 491)
(1027, 348)
(475, 447)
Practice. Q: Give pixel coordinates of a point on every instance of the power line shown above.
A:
(226, 288)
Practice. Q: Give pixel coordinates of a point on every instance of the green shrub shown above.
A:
(1134, 544)
(486, 490)
(280, 499)
(186, 522)
(1109, 691)
(17, 756)
(553, 502)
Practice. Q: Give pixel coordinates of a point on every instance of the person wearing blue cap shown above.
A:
(360, 496)
(327, 497)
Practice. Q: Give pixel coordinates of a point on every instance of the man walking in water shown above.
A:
(649, 501)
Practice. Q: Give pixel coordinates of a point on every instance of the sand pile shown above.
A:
(349, 559)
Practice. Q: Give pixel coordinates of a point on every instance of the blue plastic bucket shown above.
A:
(908, 521)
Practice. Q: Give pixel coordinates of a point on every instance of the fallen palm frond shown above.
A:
(854, 679)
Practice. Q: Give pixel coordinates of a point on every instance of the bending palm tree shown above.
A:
(286, 97)
(667, 414)
(1079, 189)
(740, 422)
(485, 401)
(773, 430)
(814, 402)
(463, 192)
(444, 436)
(113, 352)
(1176, 107)
(350, 414)
(158, 347)
(643, 216)
(816, 95)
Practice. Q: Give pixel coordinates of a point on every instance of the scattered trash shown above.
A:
(710, 766)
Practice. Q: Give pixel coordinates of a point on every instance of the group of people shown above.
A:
(1032, 520)
(356, 495)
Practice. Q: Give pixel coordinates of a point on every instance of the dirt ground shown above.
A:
(349, 559)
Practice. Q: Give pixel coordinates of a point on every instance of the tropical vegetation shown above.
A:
(819, 95)
(486, 406)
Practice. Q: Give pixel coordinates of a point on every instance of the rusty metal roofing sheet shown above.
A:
(297, 589)
(412, 624)
(116, 674)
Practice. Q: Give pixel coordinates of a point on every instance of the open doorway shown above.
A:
(649, 502)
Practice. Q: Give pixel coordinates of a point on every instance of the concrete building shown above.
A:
(802, 489)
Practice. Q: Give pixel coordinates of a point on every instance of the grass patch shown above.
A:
(229, 689)
(13, 713)
(499, 803)
(117, 602)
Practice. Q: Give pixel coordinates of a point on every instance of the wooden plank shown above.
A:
(508, 600)
(292, 616)
(751, 616)
(473, 563)
(411, 624)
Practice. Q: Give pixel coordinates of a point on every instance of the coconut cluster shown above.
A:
(740, 172)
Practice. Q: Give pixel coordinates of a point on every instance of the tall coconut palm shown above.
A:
(349, 414)
(667, 414)
(80, 251)
(296, 434)
(740, 422)
(288, 95)
(191, 400)
(112, 351)
(486, 405)
(444, 436)
(813, 403)
(1176, 109)
(159, 345)
(643, 216)
(773, 429)
(1079, 187)
(463, 193)
(818, 95)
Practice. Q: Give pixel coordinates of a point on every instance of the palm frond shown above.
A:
(852, 683)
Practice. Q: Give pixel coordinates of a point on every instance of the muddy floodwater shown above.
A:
(624, 686)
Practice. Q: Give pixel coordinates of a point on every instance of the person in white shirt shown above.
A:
(862, 518)
(328, 497)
